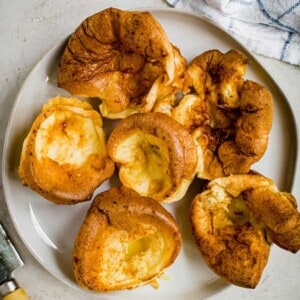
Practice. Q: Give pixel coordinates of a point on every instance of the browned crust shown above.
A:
(182, 150)
(221, 67)
(61, 184)
(239, 251)
(252, 129)
(115, 55)
(236, 114)
(119, 209)
(278, 212)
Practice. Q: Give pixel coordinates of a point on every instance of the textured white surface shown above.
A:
(27, 30)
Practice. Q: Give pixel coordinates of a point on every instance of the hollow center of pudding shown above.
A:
(144, 256)
(137, 247)
(68, 138)
(131, 259)
(145, 164)
(238, 211)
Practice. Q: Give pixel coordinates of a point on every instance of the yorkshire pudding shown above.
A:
(229, 117)
(125, 241)
(236, 218)
(64, 155)
(122, 57)
(156, 155)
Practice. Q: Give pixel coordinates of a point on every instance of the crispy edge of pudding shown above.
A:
(122, 57)
(64, 156)
(229, 117)
(156, 148)
(125, 241)
(236, 218)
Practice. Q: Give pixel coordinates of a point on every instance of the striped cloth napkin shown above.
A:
(267, 27)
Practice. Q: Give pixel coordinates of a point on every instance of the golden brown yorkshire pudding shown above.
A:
(230, 118)
(122, 57)
(235, 218)
(125, 241)
(64, 155)
(156, 155)
(278, 212)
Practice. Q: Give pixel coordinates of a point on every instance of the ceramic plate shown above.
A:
(48, 230)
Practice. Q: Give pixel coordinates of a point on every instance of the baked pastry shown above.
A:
(155, 154)
(278, 212)
(236, 218)
(125, 241)
(122, 57)
(229, 117)
(64, 155)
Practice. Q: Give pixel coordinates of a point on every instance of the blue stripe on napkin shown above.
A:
(267, 27)
(285, 46)
(273, 19)
(289, 10)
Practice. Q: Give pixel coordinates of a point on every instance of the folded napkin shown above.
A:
(267, 27)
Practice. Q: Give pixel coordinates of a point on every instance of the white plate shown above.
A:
(48, 230)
